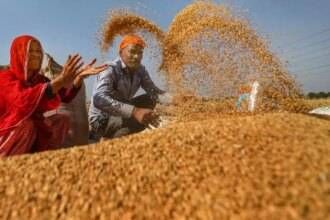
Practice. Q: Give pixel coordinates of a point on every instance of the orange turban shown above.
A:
(131, 39)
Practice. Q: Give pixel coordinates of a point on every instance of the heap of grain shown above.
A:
(214, 168)
(209, 52)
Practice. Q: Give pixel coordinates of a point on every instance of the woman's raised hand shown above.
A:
(74, 72)
(71, 69)
(88, 70)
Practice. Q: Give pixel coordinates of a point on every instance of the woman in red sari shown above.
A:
(25, 95)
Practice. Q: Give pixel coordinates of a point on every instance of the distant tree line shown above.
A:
(318, 95)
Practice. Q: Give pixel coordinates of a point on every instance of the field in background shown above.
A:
(315, 103)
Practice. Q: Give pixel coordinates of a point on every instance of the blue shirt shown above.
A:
(115, 87)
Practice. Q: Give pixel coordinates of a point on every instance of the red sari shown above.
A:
(23, 128)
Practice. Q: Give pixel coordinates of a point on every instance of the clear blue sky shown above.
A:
(298, 30)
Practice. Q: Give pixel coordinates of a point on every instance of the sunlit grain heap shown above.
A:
(267, 166)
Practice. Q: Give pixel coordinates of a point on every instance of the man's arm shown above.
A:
(103, 99)
(148, 85)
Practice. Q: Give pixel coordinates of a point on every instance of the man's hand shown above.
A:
(146, 116)
(151, 119)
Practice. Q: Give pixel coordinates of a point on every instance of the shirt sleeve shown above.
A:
(49, 101)
(102, 98)
(148, 85)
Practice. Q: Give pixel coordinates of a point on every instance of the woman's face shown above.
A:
(132, 56)
(35, 58)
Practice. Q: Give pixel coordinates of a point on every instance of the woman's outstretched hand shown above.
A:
(88, 70)
(74, 72)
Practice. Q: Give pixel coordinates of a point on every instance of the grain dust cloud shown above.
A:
(209, 52)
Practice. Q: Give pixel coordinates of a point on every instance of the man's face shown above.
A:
(35, 57)
(132, 56)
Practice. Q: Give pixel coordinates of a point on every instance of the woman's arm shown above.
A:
(73, 74)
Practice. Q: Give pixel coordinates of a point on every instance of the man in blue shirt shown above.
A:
(113, 111)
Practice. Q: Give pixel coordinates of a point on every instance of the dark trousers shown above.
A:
(142, 101)
(128, 126)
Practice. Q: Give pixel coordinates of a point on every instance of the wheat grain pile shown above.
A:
(274, 165)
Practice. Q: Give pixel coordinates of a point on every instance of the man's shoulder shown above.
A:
(111, 67)
(112, 63)
(110, 72)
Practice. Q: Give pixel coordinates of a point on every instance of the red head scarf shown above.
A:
(18, 100)
(131, 39)
(19, 56)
